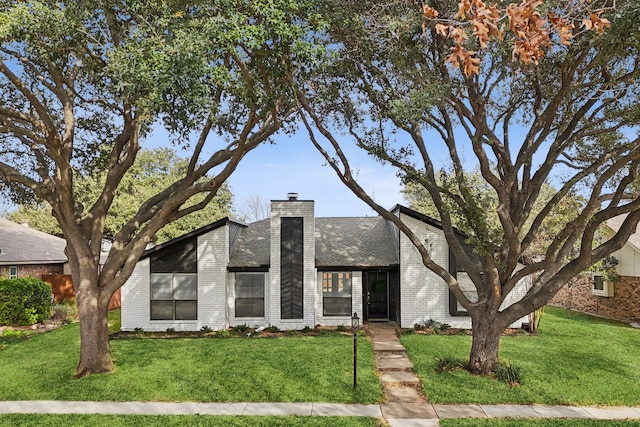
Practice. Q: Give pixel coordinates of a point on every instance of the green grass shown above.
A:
(39, 420)
(289, 369)
(493, 422)
(575, 360)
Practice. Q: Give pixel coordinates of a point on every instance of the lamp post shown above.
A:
(355, 326)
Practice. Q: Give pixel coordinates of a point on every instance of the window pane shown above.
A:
(249, 307)
(186, 310)
(250, 285)
(161, 288)
(467, 287)
(598, 283)
(161, 310)
(336, 284)
(185, 287)
(332, 306)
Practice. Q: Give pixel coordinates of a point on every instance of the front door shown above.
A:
(377, 295)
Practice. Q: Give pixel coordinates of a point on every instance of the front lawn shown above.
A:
(575, 360)
(288, 369)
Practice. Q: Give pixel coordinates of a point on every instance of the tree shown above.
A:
(83, 83)
(568, 117)
(154, 169)
(254, 208)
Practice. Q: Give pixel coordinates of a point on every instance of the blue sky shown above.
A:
(292, 165)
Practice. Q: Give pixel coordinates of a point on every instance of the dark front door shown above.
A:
(377, 295)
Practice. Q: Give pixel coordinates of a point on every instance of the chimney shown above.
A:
(292, 196)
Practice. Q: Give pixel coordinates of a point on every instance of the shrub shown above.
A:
(445, 326)
(273, 329)
(509, 374)
(138, 331)
(171, 330)
(64, 313)
(24, 301)
(448, 364)
(223, 333)
(206, 329)
(341, 328)
(306, 330)
(241, 328)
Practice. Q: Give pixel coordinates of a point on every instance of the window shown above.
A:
(174, 296)
(336, 294)
(249, 294)
(601, 287)
(13, 272)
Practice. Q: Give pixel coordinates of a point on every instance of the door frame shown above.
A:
(366, 295)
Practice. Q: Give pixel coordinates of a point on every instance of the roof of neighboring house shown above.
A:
(21, 245)
(615, 224)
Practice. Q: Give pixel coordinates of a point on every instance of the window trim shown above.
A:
(607, 286)
(173, 299)
(264, 294)
(332, 296)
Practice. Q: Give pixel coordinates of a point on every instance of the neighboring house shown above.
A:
(294, 270)
(26, 252)
(619, 299)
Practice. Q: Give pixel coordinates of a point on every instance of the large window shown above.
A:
(249, 295)
(336, 294)
(174, 296)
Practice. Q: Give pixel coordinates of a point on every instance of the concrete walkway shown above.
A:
(404, 404)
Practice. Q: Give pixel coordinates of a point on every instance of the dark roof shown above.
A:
(340, 242)
(355, 242)
(195, 233)
(20, 244)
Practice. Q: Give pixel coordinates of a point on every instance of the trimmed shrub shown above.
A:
(24, 301)
(508, 373)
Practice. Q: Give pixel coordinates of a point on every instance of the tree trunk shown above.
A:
(93, 309)
(485, 345)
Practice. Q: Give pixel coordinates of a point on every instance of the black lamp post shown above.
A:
(355, 326)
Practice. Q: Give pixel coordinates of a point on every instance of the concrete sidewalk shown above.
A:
(319, 409)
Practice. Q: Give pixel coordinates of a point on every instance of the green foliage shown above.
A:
(24, 301)
(171, 330)
(341, 328)
(138, 331)
(206, 329)
(241, 329)
(509, 374)
(448, 364)
(154, 170)
(223, 333)
(65, 312)
(273, 329)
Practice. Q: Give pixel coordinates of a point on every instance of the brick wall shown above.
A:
(36, 271)
(624, 305)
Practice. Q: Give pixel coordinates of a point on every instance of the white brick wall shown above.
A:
(356, 301)
(213, 258)
(135, 311)
(293, 208)
(423, 294)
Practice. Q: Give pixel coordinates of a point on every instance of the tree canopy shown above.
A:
(568, 117)
(83, 83)
(154, 169)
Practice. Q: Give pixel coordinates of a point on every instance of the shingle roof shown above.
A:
(615, 224)
(340, 242)
(23, 245)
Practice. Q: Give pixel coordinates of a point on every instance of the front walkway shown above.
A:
(404, 404)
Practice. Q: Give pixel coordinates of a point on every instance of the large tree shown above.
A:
(83, 83)
(153, 169)
(419, 88)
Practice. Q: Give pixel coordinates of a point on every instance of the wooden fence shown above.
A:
(62, 289)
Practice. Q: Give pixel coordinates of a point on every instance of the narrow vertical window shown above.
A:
(291, 268)
(13, 272)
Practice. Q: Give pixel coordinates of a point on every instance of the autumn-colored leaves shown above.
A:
(532, 32)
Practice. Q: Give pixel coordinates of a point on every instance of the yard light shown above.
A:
(355, 326)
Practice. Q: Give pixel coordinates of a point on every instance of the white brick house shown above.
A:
(294, 270)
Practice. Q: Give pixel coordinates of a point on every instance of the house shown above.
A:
(25, 252)
(294, 270)
(619, 299)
